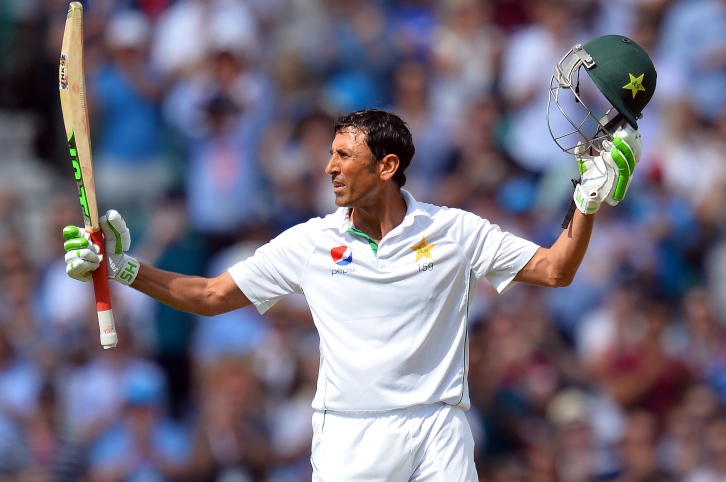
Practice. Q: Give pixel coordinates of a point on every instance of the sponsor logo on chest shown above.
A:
(342, 256)
(420, 254)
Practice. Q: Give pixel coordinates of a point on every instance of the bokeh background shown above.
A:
(211, 126)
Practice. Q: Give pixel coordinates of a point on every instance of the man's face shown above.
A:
(355, 175)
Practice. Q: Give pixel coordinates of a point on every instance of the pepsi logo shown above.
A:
(341, 255)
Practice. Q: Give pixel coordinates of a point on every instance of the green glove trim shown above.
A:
(622, 155)
(118, 249)
(75, 243)
(581, 166)
(70, 232)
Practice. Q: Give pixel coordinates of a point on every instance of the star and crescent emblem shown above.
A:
(635, 85)
(422, 249)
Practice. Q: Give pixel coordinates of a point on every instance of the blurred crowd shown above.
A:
(211, 123)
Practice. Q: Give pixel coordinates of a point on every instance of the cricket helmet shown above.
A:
(620, 70)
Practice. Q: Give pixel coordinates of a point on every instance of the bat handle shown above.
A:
(101, 290)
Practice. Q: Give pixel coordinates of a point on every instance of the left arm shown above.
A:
(556, 266)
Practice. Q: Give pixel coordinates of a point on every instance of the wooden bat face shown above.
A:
(71, 86)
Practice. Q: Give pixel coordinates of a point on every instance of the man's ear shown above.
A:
(389, 165)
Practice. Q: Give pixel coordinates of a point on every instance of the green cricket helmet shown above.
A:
(620, 70)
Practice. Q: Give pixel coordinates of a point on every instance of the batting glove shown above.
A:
(116, 235)
(624, 152)
(83, 256)
(607, 177)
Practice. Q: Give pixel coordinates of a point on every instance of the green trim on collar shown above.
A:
(371, 242)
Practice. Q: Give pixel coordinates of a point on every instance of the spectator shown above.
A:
(714, 465)
(479, 165)
(92, 392)
(364, 48)
(528, 59)
(231, 437)
(289, 415)
(299, 185)
(679, 445)
(466, 52)
(578, 455)
(15, 459)
(625, 355)
(20, 382)
(220, 113)
(703, 347)
(514, 383)
(637, 451)
(411, 99)
(125, 95)
(188, 29)
(145, 444)
(693, 38)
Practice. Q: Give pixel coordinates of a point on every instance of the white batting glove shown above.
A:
(606, 177)
(117, 238)
(624, 153)
(596, 180)
(83, 256)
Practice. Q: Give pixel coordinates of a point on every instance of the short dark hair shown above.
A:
(386, 133)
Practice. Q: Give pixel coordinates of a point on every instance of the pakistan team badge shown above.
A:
(635, 85)
(423, 249)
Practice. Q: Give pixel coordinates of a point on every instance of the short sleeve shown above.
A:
(276, 268)
(514, 253)
(494, 254)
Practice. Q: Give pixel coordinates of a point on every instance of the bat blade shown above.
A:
(72, 89)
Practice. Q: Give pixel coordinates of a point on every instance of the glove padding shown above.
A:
(607, 177)
(83, 257)
(624, 151)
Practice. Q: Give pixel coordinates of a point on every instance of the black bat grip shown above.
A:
(571, 209)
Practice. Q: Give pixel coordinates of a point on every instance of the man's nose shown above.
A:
(332, 166)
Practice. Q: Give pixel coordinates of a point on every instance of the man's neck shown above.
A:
(378, 221)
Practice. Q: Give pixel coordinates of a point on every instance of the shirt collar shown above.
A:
(413, 208)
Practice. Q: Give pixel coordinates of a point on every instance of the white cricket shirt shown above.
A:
(392, 318)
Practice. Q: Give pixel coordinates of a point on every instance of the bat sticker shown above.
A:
(78, 176)
(63, 73)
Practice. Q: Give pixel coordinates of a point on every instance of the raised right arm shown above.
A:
(194, 294)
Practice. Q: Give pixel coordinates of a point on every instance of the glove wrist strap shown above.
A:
(585, 203)
(128, 269)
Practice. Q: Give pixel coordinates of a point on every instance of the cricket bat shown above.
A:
(72, 88)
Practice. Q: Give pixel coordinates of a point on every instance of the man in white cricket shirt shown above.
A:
(392, 385)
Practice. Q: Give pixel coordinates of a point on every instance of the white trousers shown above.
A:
(430, 443)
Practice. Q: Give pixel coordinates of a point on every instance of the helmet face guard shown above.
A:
(584, 126)
(609, 62)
